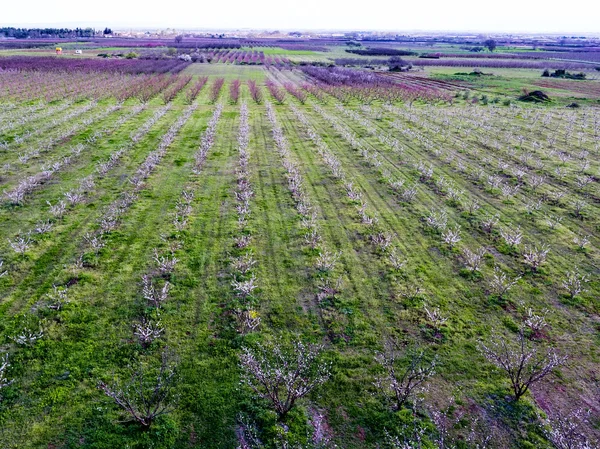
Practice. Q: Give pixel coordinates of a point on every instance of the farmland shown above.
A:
(231, 254)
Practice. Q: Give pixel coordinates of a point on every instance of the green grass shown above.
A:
(55, 402)
(511, 82)
(227, 71)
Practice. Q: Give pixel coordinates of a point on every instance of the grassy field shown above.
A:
(228, 71)
(533, 168)
(513, 82)
(93, 51)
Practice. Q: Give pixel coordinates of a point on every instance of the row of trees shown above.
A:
(36, 33)
(280, 373)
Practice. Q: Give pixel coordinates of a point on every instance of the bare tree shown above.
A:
(57, 209)
(553, 221)
(312, 238)
(96, 241)
(522, 362)
(328, 290)
(405, 371)
(472, 206)
(283, 374)
(242, 241)
(382, 240)
(145, 397)
(408, 194)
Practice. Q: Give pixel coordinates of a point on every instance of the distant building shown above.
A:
(78, 52)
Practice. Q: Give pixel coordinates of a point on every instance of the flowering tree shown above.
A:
(145, 397)
(234, 91)
(536, 256)
(255, 92)
(566, 431)
(523, 364)
(215, 90)
(405, 372)
(4, 381)
(194, 90)
(500, 283)
(473, 259)
(574, 282)
(277, 93)
(282, 374)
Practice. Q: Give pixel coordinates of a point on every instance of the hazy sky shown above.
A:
(578, 16)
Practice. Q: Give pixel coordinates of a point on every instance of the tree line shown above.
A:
(25, 33)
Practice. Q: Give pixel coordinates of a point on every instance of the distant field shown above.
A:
(67, 51)
(282, 51)
(513, 81)
(228, 71)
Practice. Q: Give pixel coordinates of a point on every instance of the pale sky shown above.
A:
(534, 16)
